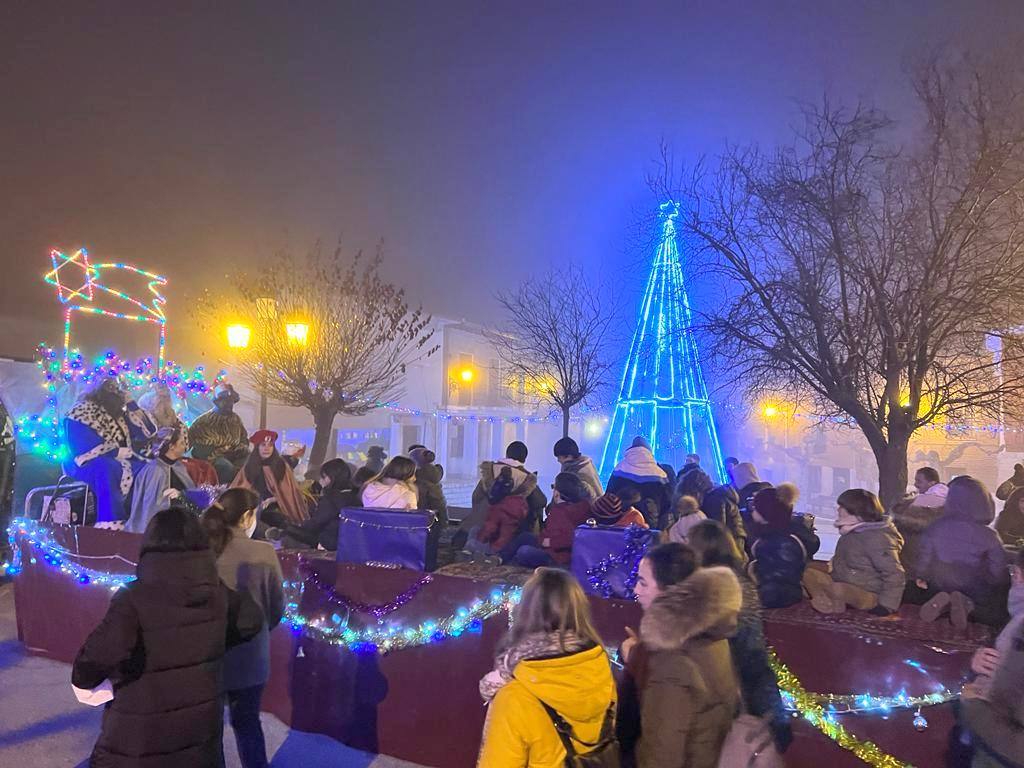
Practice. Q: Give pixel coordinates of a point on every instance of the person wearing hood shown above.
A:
(567, 454)
(638, 467)
(681, 662)
(722, 504)
(747, 483)
(428, 483)
(161, 646)
(696, 483)
(687, 514)
(524, 484)
(991, 706)
(781, 546)
(250, 566)
(163, 480)
(394, 487)
(1010, 522)
(500, 533)
(552, 667)
(961, 565)
(865, 572)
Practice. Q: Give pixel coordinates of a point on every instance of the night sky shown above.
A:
(481, 143)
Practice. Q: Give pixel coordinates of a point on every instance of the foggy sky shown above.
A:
(481, 141)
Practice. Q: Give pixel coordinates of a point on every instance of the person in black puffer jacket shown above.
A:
(781, 548)
(162, 646)
(337, 491)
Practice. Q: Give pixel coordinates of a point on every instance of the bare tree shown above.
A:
(870, 277)
(361, 334)
(558, 339)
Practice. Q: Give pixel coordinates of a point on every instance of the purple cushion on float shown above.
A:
(593, 544)
(387, 536)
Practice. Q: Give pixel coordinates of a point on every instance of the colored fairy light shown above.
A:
(69, 271)
(42, 433)
(663, 395)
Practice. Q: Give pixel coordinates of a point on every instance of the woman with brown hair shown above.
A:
(248, 566)
(270, 476)
(551, 692)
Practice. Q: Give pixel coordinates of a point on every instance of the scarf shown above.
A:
(287, 493)
(537, 646)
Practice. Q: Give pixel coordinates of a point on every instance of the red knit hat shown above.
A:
(263, 436)
(775, 505)
(607, 507)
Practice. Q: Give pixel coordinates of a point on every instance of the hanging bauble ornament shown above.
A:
(920, 723)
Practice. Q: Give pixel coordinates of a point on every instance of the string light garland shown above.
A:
(377, 610)
(68, 270)
(40, 540)
(637, 542)
(41, 432)
(385, 527)
(334, 629)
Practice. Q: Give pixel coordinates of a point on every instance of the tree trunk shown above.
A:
(565, 422)
(323, 420)
(892, 470)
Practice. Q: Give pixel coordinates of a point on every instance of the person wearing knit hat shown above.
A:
(568, 455)
(428, 483)
(781, 546)
(609, 509)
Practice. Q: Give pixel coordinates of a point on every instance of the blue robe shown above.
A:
(93, 438)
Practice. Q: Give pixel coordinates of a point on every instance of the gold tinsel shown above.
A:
(807, 704)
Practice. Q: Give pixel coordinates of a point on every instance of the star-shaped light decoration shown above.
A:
(68, 271)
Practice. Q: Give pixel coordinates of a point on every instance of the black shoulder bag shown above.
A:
(604, 753)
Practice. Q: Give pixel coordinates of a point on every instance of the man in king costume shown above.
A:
(100, 442)
(219, 436)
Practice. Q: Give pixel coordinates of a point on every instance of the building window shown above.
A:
(456, 441)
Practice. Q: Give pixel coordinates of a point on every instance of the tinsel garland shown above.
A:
(807, 704)
(632, 553)
(377, 610)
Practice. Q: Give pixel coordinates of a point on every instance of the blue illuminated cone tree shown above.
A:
(663, 396)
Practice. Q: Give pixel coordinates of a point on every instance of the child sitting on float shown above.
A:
(618, 509)
(865, 572)
(781, 547)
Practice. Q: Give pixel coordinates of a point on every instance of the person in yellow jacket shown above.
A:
(552, 655)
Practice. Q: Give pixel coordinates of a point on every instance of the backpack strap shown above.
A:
(566, 735)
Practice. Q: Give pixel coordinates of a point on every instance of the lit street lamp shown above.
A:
(239, 337)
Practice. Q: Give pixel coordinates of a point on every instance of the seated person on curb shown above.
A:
(618, 508)
(961, 564)
(570, 508)
(394, 487)
(1010, 523)
(321, 530)
(865, 571)
(505, 515)
(992, 707)
(688, 514)
(428, 483)
(781, 546)
(163, 481)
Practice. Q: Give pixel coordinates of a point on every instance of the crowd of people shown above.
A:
(190, 635)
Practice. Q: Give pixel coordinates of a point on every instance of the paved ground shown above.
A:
(43, 726)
